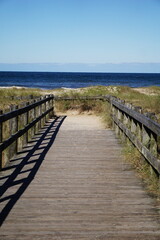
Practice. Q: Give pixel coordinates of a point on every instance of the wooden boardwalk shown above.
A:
(73, 184)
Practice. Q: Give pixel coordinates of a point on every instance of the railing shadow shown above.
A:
(22, 169)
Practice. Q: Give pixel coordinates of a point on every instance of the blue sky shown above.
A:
(35, 34)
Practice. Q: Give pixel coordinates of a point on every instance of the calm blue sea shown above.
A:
(52, 80)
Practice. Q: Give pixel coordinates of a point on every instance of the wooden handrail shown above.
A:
(23, 122)
(146, 121)
(141, 130)
(23, 110)
(21, 132)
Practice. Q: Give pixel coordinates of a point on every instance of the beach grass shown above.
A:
(147, 98)
(143, 169)
(14, 96)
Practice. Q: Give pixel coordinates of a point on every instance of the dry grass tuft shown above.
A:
(149, 176)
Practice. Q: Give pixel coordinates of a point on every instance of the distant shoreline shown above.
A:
(11, 87)
(62, 88)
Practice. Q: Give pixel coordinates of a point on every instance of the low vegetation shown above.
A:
(144, 171)
(13, 96)
(147, 98)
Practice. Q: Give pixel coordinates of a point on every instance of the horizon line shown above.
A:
(132, 67)
(89, 63)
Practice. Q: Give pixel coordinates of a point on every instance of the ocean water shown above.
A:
(52, 80)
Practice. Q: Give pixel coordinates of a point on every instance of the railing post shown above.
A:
(40, 110)
(112, 114)
(52, 105)
(38, 114)
(45, 108)
(35, 115)
(6, 134)
(139, 125)
(21, 125)
(13, 129)
(133, 124)
(125, 123)
(1, 140)
(116, 126)
(158, 146)
(32, 112)
(27, 122)
(120, 118)
(153, 138)
(153, 148)
(129, 123)
(146, 141)
(145, 137)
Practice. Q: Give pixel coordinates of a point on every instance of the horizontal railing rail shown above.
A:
(141, 130)
(59, 98)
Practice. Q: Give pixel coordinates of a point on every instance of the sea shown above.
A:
(54, 80)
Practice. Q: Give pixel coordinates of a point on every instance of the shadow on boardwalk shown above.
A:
(19, 176)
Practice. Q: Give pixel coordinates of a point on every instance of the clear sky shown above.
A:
(72, 32)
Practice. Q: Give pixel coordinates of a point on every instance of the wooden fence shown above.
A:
(141, 129)
(20, 123)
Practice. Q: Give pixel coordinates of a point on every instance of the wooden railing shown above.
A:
(18, 125)
(141, 129)
(130, 123)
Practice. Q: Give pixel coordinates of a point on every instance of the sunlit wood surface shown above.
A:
(83, 190)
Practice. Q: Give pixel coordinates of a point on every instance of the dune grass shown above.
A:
(144, 171)
(12, 96)
(149, 101)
